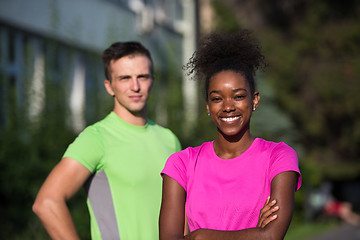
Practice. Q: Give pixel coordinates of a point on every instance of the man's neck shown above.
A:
(133, 119)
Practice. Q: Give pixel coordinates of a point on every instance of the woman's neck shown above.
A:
(228, 147)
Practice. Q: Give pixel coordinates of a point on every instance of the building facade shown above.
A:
(50, 51)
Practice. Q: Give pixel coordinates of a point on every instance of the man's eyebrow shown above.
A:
(123, 76)
(144, 75)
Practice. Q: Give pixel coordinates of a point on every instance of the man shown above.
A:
(120, 157)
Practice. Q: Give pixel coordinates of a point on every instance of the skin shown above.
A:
(130, 84)
(230, 104)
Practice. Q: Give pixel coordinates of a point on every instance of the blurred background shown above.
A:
(51, 87)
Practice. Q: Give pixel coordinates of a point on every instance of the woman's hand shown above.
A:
(283, 188)
(266, 216)
(266, 213)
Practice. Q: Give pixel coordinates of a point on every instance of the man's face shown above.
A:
(130, 84)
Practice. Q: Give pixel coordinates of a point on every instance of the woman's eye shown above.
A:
(215, 99)
(238, 97)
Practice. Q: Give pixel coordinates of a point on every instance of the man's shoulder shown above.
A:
(96, 127)
(158, 127)
(164, 134)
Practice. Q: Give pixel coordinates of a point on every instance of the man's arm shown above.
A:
(283, 188)
(50, 204)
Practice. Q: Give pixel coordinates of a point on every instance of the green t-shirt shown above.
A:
(124, 194)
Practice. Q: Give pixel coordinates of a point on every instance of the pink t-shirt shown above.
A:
(228, 194)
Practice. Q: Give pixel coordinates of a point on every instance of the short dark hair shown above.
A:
(118, 50)
(217, 52)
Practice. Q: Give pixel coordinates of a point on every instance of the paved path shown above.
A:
(343, 232)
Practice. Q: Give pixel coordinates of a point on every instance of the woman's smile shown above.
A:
(230, 102)
(229, 119)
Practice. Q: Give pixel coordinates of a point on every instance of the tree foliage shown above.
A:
(315, 67)
(313, 52)
(28, 151)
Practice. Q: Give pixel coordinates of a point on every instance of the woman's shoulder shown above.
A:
(267, 145)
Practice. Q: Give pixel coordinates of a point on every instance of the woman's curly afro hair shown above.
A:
(217, 52)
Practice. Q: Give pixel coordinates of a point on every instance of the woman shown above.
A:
(224, 183)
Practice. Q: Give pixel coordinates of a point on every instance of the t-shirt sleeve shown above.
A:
(87, 149)
(176, 168)
(284, 158)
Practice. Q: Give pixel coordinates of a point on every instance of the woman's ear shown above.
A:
(208, 109)
(256, 100)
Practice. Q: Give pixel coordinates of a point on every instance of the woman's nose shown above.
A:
(228, 106)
